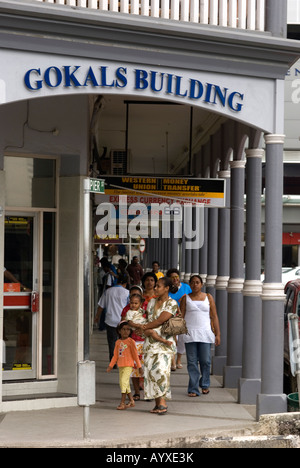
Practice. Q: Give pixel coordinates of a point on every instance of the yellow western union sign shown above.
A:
(206, 191)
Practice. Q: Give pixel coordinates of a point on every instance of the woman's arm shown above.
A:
(164, 317)
(183, 306)
(215, 319)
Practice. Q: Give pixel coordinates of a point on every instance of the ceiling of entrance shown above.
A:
(158, 135)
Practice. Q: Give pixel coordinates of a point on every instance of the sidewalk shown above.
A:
(188, 418)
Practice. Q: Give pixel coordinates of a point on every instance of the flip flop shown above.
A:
(136, 397)
(154, 410)
(193, 395)
(161, 410)
(179, 366)
(205, 391)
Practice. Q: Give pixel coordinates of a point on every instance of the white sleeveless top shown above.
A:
(198, 321)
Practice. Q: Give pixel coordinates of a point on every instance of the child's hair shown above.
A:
(121, 325)
(139, 296)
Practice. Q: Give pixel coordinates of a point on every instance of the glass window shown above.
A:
(30, 182)
(18, 277)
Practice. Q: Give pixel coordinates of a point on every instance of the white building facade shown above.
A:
(183, 88)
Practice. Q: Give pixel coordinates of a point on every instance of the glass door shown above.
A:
(21, 296)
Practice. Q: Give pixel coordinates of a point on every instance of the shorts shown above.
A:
(124, 379)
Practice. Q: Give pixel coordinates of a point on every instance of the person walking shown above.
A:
(126, 357)
(157, 355)
(113, 301)
(199, 311)
(182, 290)
(135, 271)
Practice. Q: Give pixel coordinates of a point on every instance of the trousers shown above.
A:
(198, 365)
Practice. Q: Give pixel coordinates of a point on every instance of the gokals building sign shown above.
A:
(161, 83)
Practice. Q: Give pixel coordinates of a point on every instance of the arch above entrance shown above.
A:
(252, 101)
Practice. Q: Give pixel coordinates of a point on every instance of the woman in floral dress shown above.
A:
(158, 356)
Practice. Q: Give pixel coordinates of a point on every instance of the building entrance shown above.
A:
(21, 294)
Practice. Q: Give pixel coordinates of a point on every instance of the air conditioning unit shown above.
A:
(118, 160)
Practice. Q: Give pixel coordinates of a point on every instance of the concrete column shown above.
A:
(203, 251)
(250, 383)
(212, 265)
(220, 358)
(276, 17)
(188, 219)
(271, 399)
(174, 249)
(233, 370)
(195, 256)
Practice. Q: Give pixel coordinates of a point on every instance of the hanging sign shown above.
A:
(147, 190)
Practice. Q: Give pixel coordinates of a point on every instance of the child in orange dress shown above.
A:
(125, 355)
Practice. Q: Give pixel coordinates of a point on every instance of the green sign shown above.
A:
(96, 186)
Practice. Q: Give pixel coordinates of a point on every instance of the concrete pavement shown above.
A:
(188, 419)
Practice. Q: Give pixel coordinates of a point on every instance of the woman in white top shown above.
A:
(199, 311)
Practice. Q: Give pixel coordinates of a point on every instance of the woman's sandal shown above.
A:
(159, 410)
(193, 395)
(205, 391)
(136, 397)
(162, 410)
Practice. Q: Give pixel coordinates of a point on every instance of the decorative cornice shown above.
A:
(74, 31)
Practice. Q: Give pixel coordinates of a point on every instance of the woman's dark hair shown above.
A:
(173, 270)
(168, 283)
(196, 276)
(149, 275)
(120, 326)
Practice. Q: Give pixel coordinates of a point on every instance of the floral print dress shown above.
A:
(158, 356)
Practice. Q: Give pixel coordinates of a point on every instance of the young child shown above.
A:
(135, 318)
(125, 355)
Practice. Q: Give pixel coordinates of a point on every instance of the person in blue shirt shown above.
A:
(183, 289)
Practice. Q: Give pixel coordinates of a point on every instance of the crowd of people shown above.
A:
(133, 308)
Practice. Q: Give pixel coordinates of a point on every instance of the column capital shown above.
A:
(237, 164)
(224, 174)
(255, 153)
(252, 288)
(222, 282)
(273, 292)
(274, 139)
(235, 285)
(211, 281)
